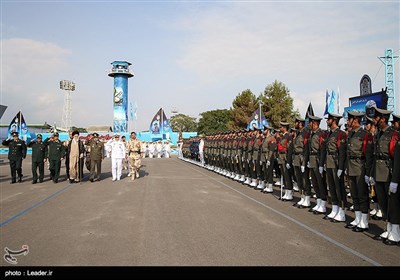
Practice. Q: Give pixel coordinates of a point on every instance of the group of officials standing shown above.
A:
(367, 157)
(76, 153)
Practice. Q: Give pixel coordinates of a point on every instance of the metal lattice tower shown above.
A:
(68, 86)
(389, 60)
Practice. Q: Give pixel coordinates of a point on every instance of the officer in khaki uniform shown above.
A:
(333, 155)
(133, 152)
(16, 153)
(359, 141)
(96, 150)
(39, 150)
(385, 142)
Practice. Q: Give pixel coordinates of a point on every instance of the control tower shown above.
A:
(120, 73)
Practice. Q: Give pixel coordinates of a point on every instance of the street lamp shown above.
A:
(68, 86)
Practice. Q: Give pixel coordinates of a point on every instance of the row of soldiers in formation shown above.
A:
(75, 152)
(369, 157)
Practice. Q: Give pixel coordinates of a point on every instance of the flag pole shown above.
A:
(20, 124)
(162, 123)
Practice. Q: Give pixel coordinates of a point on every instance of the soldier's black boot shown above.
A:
(20, 179)
(13, 181)
(34, 181)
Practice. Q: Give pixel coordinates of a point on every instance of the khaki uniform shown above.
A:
(133, 151)
(96, 150)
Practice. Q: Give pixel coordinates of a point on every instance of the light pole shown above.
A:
(68, 86)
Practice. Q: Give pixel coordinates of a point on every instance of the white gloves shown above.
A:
(308, 164)
(321, 169)
(339, 172)
(372, 181)
(366, 178)
(393, 187)
(81, 155)
(303, 169)
(261, 162)
(288, 166)
(268, 163)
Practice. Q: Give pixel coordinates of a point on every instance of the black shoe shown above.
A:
(55, 181)
(20, 180)
(349, 226)
(13, 181)
(326, 217)
(376, 218)
(34, 181)
(71, 181)
(358, 229)
(91, 180)
(40, 180)
(378, 238)
(390, 242)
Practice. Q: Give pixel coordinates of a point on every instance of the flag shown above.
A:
(130, 110)
(257, 120)
(327, 97)
(331, 103)
(310, 111)
(18, 124)
(135, 108)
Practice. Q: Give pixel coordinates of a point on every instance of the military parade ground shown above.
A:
(175, 214)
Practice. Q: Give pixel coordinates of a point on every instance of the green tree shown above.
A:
(278, 104)
(213, 121)
(243, 107)
(184, 123)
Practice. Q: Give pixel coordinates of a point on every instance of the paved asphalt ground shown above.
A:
(176, 214)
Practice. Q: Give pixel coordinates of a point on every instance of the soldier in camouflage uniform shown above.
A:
(133, 152)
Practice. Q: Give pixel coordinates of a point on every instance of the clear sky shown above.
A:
(193, 56)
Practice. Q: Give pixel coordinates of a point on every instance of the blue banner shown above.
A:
(120, 103)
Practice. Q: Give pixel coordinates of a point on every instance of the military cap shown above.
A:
(314, 118)
(15, 133)
(299, 119)
(268, 127)
(369, 120)
(334, 116)
(396, 118)
(55, 134)
(284, 123)
(95, 134)
(116, 135)
(355, 114)
(382, 112)
(39, 136)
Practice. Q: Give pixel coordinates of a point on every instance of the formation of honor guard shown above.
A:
(312, 158)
